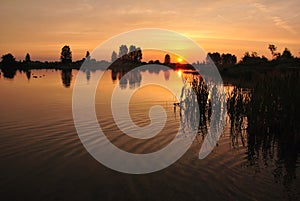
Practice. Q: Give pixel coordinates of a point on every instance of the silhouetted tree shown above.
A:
(228, 59)
(8, 60)
(123, 50)
(132, 48)
(286, 54)
(87, 56)
(167, 59)
(114, 56)
(272, 48)
(135, 53)
(132, 53)
(8, 66)
(221, 60)
(214, 57)
(27, 58)
(66, 55)
(139, 54)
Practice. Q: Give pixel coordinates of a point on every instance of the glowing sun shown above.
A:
(179, 59)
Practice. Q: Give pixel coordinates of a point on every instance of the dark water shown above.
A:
(42, 158)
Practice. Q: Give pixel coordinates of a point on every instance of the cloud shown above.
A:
(135, 11)
(261, 7)
(283, 24)
(278, 21)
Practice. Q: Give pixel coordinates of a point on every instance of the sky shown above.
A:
(42, 28)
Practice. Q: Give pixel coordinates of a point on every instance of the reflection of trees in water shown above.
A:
(66, 76)
(114, 75)
(9, 72)
(132, 78)
(28, 74)
(270, 114)
(88, 75)
(166, 74)
(88, 69)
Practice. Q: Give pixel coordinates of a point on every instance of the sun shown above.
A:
(179, 59)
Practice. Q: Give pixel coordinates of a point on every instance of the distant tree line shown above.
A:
(9, 62)
(225, 60)
(132, 56)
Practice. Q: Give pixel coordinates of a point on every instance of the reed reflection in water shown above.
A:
(263, 119)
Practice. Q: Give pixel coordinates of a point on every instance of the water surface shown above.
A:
(42, 158)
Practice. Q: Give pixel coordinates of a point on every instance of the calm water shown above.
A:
(42, 158)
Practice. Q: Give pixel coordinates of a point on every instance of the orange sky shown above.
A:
(43, 27)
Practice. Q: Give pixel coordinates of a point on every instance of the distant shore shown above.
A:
(242, 73)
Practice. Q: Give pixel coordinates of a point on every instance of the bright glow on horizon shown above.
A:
(179, 59)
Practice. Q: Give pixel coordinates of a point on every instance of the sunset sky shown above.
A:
(43, 27)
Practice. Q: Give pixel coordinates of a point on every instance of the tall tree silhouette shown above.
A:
(139, 54)
(167, 59)
(8, 66)
(123, 50)
(66, 55)
(132, 53)
(114, 56)
(286, 54)
(273, 49)
(228, 59)
(87, 56)
(215, 57)
(8, 60)
(27, 58)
